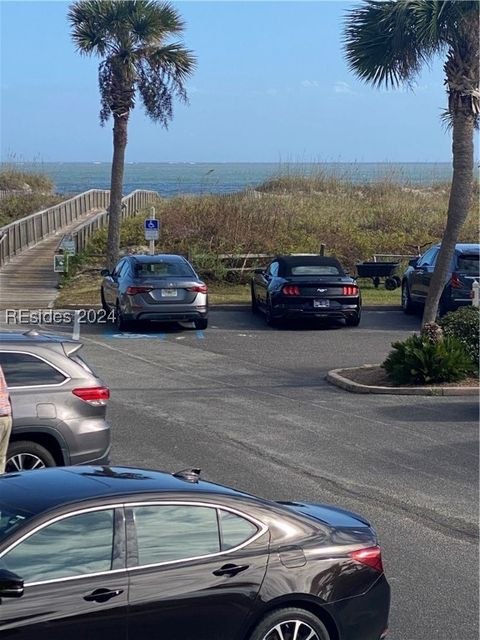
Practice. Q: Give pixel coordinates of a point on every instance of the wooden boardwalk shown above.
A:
(28, 280)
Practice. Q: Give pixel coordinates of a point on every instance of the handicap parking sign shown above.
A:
(151, 226)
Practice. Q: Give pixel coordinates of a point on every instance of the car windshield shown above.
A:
(469, 264)
(162, 269)
(314, 270)
(11, 518)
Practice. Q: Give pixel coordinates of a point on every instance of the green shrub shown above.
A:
(21, 180)
(18, 206)
(417, 360)
(464, 324)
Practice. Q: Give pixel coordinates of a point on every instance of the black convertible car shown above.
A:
(103, 553)
(306, 286)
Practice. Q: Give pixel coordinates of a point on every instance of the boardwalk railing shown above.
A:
(26, 232)
(131, 204)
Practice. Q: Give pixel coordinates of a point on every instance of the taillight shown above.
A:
(291, 290)
(371, 556)
(199, 288)
(131, 291)
(96, 396)
(350, 291)
(455, 282)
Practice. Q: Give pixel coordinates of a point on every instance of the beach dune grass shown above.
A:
(293, 214)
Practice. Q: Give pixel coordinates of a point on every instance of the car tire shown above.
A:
(28, 455)
(353, 321)
(254, 300)
(201, 324)
(407, 304)
(105, 306)
(286, 620)
(120, 322)
(443, 308)
(269, 319)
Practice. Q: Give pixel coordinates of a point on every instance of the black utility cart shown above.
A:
(378, 270)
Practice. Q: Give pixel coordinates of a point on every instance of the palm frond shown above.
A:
(132, 38)
(382, 42)
(89, 20)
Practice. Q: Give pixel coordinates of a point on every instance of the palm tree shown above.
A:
(131, 37)
(386, 43)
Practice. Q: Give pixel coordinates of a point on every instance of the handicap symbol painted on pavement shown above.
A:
(136, 336)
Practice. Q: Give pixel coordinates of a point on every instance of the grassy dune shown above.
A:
(31, 192)
(295, 214)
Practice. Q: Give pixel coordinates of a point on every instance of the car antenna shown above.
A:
(189, 475)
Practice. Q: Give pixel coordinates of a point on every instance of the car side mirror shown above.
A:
(413, 262)
(260, 270)
(104, 273)
(11, 585)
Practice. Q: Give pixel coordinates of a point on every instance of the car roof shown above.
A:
(307, 258)
(35, 492)
(33, 337)
(462, 247)
(157, 258)
(467, 248)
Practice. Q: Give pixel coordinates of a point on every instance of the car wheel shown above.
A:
(269, 319)
(24, 455)
(443, 308)
(120, 322)
(353, 321)
(407, 304)
(201, 323)
(254, 300)
(105, 306)
(290, 623)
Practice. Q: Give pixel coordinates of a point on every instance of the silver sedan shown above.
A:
(163, 288)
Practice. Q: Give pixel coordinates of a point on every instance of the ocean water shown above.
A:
(171, 179)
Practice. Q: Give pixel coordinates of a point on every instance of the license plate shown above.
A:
(321, 304)
(169, 293)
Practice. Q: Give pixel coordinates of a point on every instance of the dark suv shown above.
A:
(58, 403)
(464, 270)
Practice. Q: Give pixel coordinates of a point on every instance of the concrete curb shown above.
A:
(335, 377)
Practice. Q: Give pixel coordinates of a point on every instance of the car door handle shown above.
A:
(102, 595)
(230, 569)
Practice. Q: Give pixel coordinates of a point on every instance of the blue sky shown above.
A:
(272, 84)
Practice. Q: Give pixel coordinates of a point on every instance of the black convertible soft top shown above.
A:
(287, 262)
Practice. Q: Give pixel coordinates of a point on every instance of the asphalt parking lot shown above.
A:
(250, 406)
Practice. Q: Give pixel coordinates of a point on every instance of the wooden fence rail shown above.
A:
(26, 232)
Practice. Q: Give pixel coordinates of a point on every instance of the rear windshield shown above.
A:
(163, 269)
(468, 264)
(11, 518)
(314, 270)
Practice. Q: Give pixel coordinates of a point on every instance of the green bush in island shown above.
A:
(429, 358)
(464, 324)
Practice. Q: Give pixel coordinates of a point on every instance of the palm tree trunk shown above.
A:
(458, 206)
(116, 189)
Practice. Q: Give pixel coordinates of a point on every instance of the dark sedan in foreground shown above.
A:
(133, 554)
(162, 288)
(463, 272)
(306, 286)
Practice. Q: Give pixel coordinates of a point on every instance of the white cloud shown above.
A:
(310, 83)
(342, 87)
